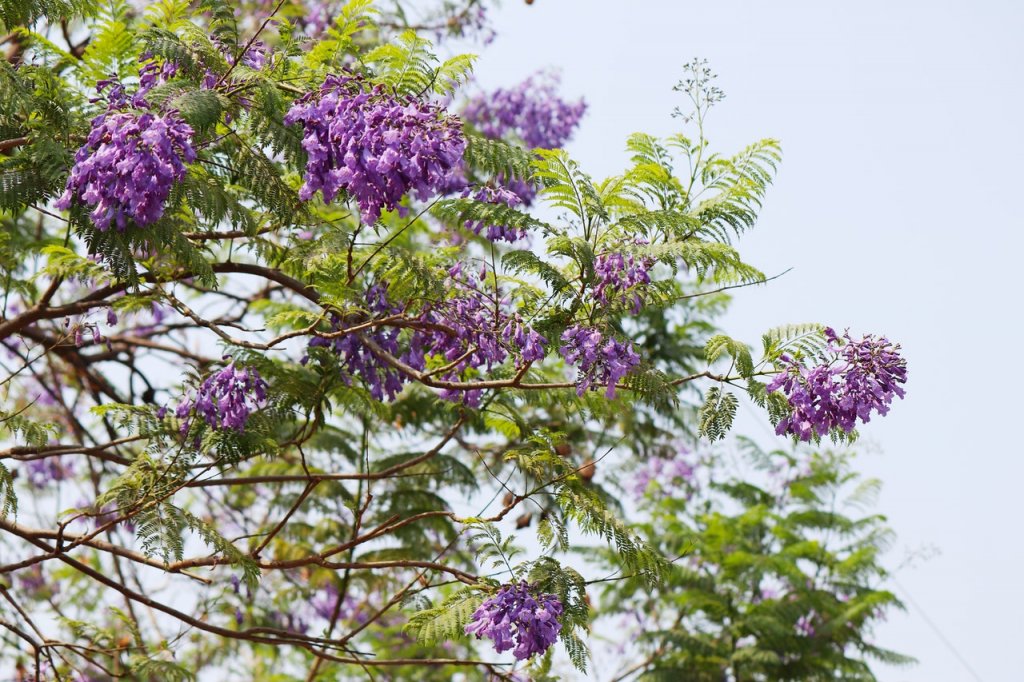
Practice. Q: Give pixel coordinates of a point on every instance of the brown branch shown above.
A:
(7, 145)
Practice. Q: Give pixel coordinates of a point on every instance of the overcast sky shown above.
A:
(902, 126)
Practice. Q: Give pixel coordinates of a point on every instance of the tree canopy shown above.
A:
(320, 365)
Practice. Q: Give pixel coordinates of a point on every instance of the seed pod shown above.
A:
(508, 499)
(563, 449)
(524, 520)
(588, 470)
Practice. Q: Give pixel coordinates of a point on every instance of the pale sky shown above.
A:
(902, 126)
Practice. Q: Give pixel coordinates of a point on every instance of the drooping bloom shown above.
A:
(127, 166)
(132, 157)
(225, 399)
(495, 195)
(515, 618)
(474, 329)
(470, 330)
(662, 475)
(618, 273)
(375, 147)
(600, 360)
(385, 382)
(254, 57)
(805, 624)
(531, 112)
(862, 377)
(42, 471)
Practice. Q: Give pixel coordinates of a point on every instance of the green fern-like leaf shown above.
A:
(406, 66)
(717, 414)
(447, 620)
(8, 498)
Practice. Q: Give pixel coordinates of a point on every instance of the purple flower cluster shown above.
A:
(600, 360)
(805, 624)
(469, 330)
(226, 399)
(127, 166)
(151, 74)
(618, 273)
(473, 330)
(514, 617)
(531, 111)
(349, 610)
(666, 473)
(385, 382)
(495, 195)
(254, 57)
(375, 147)
(862, 377)
(42, 471)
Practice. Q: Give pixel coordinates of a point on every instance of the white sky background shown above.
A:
(896, 205)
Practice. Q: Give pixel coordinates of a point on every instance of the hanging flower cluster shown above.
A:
(515, 618)
(667, 473)
(384, 381)
(127, 166)
(473, 330)
(495, 195)
(531, 112)
(225, 399)
(41, 472)
(132, 157)
(254, 57)
(618, 273)
(600, 360)
(469, 330)
(375, 147)
(863, 378)
(805, 624)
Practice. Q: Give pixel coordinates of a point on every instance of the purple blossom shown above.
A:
(254, 57)
(517, 619)
(473, 330)
(384, 381)
(42, 471)
(470, 330)
(226, 399)
(862, 377)
(375, 147)
(127, 166)
(619, 273)
(152, 74)
(531, 111)
(316, 16)
(666, 473)
(495, 195)
(350, 610)
(602, 361)
(805, 624)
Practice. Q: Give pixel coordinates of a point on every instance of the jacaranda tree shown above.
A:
(319, 363)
